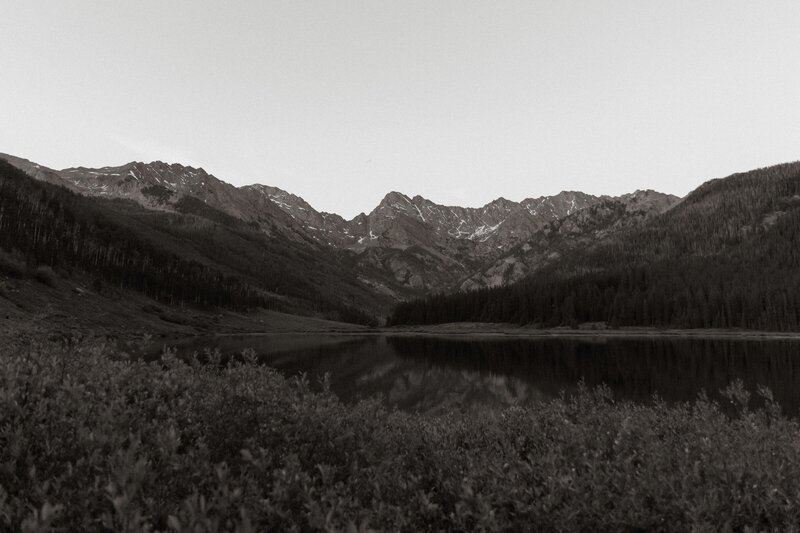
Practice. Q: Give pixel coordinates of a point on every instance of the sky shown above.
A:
(462, 102)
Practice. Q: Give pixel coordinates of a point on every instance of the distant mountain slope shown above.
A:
(161, 185)
(728, 255)
(47, 225)
(400, 221)
(405, 247)
(581, 230)
(184, 256)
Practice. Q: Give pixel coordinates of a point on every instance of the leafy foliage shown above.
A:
(89, 442)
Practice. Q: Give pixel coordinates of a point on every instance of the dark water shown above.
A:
(434, 374)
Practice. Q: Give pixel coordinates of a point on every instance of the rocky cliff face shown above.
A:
(400, 221)
(579, 230)
(421, 245)
(160, 185)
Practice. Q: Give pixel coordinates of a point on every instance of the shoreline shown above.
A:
(511, 333)
(481, 330)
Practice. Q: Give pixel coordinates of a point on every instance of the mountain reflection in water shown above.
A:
(433, 374)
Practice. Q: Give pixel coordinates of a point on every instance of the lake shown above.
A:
(435, 374)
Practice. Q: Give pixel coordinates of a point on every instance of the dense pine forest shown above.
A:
(198, 257)
(725, 257)
(46, 225)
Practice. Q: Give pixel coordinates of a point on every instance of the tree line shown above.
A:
(726, 257)
(52, 226)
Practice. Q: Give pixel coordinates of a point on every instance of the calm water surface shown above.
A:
(430, 374)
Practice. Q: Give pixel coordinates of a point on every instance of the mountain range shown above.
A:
(726, 256)
(406, 247)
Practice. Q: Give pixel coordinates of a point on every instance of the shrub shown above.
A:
(88, 442)
(12, 264)
(45, 275)
(158, 193)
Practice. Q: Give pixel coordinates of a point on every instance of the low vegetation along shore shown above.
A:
(90, 441)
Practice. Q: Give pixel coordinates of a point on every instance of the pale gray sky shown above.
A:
(340, 101)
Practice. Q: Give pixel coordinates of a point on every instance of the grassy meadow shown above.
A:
(93, 441)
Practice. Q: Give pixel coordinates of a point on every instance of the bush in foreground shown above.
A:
(91, 443)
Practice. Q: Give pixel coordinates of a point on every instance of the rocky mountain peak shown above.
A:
(128, 180)
(501, 203)
(327, 228)
(649, 200)
(396, 203)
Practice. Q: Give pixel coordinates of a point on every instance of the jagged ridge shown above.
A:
(422, 245)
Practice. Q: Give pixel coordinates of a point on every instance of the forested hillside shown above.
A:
(48, 225)
(405, 247)
(727, 256)
(201, 257)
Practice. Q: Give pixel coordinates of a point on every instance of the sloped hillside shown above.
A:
(726, 256)
(200, 257)
(405, 247)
